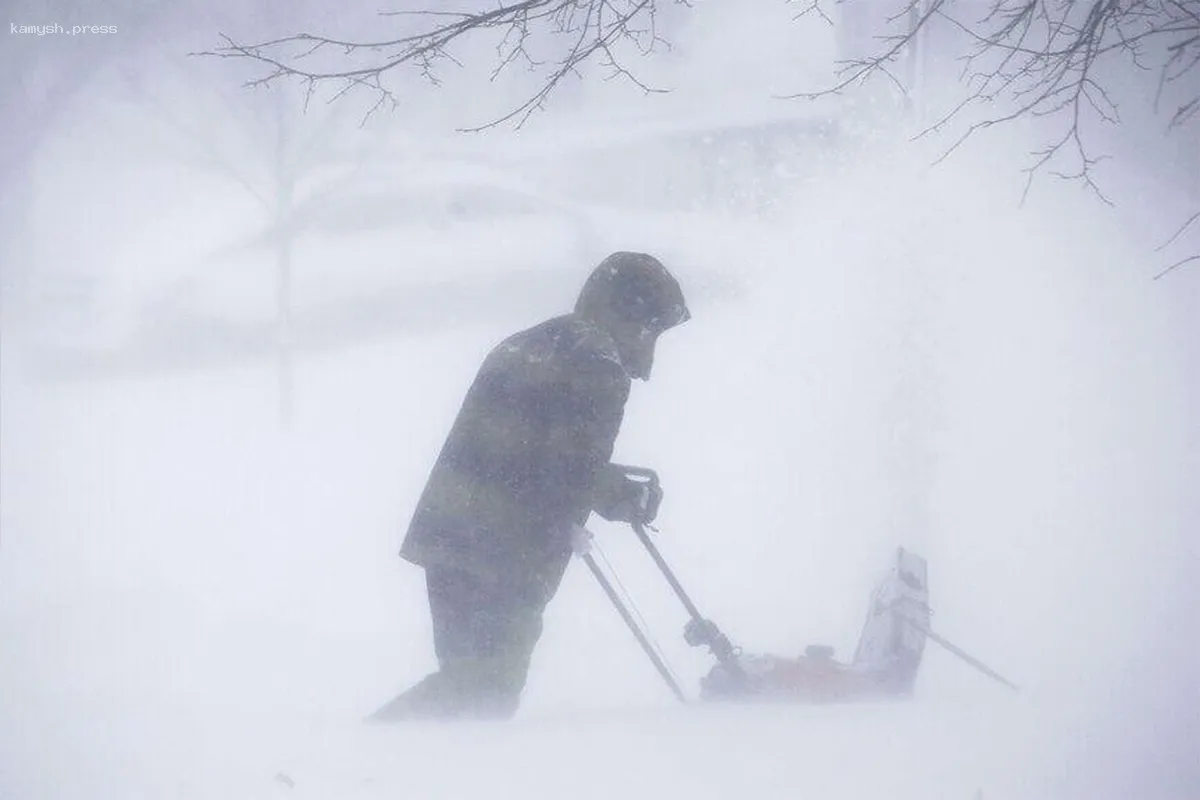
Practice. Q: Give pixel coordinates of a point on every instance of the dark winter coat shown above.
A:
(518, 465)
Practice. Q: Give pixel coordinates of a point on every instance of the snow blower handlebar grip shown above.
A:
(645, 473)
(647, 494)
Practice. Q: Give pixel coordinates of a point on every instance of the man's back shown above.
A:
(517, 467)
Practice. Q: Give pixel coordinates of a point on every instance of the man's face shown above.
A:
(636, 345)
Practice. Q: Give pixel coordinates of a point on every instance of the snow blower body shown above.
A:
(884, 665)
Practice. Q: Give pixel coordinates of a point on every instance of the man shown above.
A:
(526, 461)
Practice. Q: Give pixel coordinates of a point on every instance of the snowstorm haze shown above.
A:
(206, 471)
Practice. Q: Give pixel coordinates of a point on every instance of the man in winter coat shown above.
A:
(525, 462)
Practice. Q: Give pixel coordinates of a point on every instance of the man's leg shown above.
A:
(440, 694)
(484, 634)
(484, 637)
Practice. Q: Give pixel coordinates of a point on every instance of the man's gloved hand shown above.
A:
(620, 497)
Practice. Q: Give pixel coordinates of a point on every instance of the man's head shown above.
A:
(635, 299)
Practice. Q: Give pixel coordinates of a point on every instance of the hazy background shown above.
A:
(201, 498)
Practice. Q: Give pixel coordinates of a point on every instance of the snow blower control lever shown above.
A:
(699, 631)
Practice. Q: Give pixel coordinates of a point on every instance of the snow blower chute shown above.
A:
(884, 665)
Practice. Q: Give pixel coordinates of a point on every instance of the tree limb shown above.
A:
(582, 31)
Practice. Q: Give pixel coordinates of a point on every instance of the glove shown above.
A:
(619, 497)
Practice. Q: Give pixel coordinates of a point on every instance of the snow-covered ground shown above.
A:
(195, 602)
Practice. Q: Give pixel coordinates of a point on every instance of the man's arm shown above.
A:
(588, 407)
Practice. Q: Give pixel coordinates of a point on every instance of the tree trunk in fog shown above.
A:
(917, 65)
(284, 196)
(30, 115)
(283, 310)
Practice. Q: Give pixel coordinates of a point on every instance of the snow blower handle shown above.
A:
(699, 630)
(644, 494)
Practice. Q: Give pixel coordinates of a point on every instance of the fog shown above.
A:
(202, 499)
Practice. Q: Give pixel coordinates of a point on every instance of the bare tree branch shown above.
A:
(812, 7)
(859, 69)
(1182, 229)
(1177, 265)
(1025, 59)
(581, 31)
(1041, 58)
(1050, 60)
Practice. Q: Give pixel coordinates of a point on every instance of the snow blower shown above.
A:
(885, 662)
